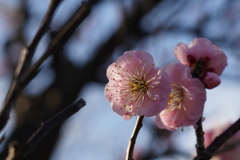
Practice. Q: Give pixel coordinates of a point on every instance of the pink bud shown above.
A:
(211, 80)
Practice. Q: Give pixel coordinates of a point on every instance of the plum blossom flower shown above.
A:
(230, 150)
(202, 57)
(136, 86)
(186, 101)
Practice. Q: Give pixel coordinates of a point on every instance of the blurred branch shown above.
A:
(55, 46)
(24, 62)
(59, 40)
(17, 152)
(133, 138)
(44, 27)
(218, 141)
(227, 147)
(200, 141)
(2, 138)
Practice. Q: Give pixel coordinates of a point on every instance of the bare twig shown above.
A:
(55, 46)
(45, 26)
(133, 138)
(227, 147)
(201, 153)
(218, 141)
(59, 40)
(16, 152)
(24, 62)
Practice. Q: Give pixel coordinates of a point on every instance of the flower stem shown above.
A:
(133, 138)
(201, 152)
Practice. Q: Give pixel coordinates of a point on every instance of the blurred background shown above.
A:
(79, 70)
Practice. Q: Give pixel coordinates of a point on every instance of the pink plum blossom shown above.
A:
(225, 151)
(186, 101)
(136, 86)
(202, 57)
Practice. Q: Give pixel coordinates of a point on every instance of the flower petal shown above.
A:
(218, 62)
(211, 80)
(178, 72)
(151, 108)
(119, 108)
(170, 120)
(181, 52)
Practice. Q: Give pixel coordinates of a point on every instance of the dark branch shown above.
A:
(218, 141)
(55, 46)
(227, 147)
(133, 138)
(58, 41)
(45, 26)
(17, 152)
(200, 141)
(24, 62)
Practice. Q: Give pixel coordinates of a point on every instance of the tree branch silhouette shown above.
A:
(20, 81)
(201, 153)
(222, 138)
(17, 152)
(24, 62)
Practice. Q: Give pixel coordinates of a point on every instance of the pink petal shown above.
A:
(181, 52)
(118, 107)
(218, 62)
(194, 101)
(211, 80)
(200, 47)
(195, 97)
(170, 120)
(159, 95)
(126, 117)
(144, 56)
(110, 74)
(133, 61)
(151, 108)
(161, 84)
(178, 72)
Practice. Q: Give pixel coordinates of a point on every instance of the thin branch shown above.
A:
(59, 40)
(24, 62)
(17, 152)
(133, 138)
(218, 141)
(55, 46)
(44, 27)
(200, 141)
(227, 147)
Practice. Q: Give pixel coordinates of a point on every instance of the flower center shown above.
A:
(140, 86)
(175, 98)
(199, 67)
